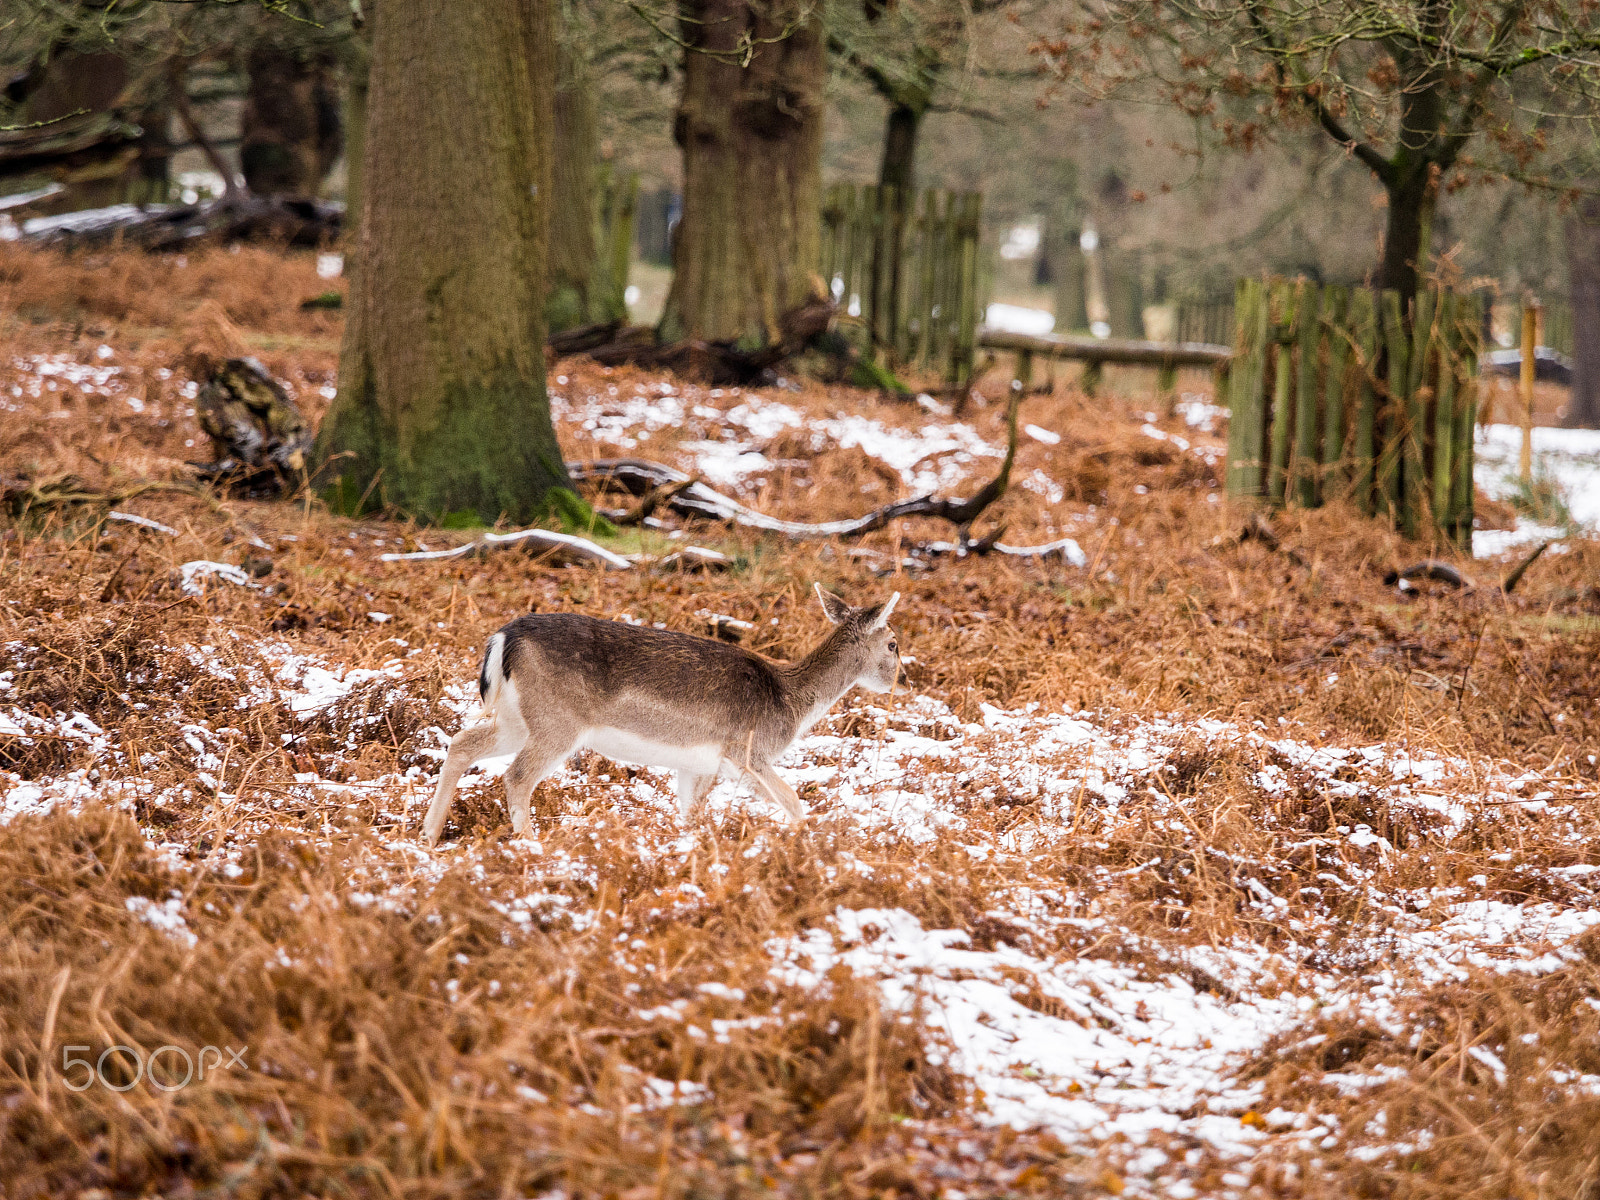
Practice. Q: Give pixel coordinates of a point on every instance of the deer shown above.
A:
(552, 684)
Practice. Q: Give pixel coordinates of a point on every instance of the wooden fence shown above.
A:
(1335, 391)
(908, 265)
(1205, 318)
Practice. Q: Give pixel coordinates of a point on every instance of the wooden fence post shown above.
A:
(967, 287)
(1364, 451)
(1462, 502)
(1335, 305)
(1530, 364)
(1414, 490)
(1303, 469)
(1394, 409)
(1246, 400)
(1444, 413)
(1285, 303)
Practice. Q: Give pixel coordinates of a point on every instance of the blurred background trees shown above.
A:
(1132, 156)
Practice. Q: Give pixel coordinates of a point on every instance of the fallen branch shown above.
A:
(1443, 572)
(1428, 568)
(561, 546)
(1066, 549)
(653, 499)
(290, 220)
(58, 491)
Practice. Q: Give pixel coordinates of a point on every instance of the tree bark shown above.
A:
(1583, 258)
(899, 166)
(442, 410)
(1071, 273)
(572, 299)
(1410, 214)
(751, 137)
(290, 132)
(358, 72)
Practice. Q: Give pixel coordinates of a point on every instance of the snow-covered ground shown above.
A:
(1090, 1045)
(1013, 318)
(727, 440)
(1570, 458)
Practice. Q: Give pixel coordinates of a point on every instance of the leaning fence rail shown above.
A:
(1095, 353)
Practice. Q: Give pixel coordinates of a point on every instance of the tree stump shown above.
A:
(260, 437)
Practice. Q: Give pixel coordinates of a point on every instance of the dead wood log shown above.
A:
(294, 221)
(260, 437)
(1428, 568)
(76, 141)
(584, 338)
(722, 362)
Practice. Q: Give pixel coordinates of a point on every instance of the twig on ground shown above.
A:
(563, 545)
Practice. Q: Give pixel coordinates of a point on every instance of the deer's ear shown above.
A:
(835, 609)
(881, 617)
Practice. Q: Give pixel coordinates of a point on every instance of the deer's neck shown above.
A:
(818, 680)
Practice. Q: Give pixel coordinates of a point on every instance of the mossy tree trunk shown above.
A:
(442, 410)
(751, 136)
(290, 132)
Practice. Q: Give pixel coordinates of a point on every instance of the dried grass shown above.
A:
(401, 1005)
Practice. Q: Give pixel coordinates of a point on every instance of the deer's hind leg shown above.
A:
(496, 736)
(547, 745)
(692, 792)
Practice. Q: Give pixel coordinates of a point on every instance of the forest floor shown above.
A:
(1186, 866)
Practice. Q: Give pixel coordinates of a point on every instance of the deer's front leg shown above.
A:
(768, 781)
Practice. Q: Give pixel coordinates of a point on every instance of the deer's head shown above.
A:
(864, 638)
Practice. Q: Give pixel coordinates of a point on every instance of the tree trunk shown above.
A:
(1125, 292)
(442, 410)
(290, 133)
(1411, 200)
(572, 195)
(751, 137)
(1071, 277)
(1583, 258)
(899, 167)
(358, 74)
